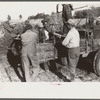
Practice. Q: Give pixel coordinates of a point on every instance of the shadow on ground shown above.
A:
(86, 63)
(15, 62)
(52, 66)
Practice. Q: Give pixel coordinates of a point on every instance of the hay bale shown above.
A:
(45, 51)
(9, 33)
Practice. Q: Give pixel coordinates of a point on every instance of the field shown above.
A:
(50, 71)
(13, 74)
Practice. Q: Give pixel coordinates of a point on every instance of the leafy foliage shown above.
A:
(20, 16)
(38, 16)
(91, 13)
(9, 17)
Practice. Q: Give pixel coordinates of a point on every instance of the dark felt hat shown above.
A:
(43, 21)
(28, 26)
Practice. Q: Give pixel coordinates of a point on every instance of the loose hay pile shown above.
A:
(9, 32)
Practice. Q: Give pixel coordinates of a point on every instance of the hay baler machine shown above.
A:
(89, 43)
(89, 37)
(86, 34)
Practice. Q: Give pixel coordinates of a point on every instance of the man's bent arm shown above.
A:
(66, 40)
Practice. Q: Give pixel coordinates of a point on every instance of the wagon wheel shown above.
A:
(96, 64)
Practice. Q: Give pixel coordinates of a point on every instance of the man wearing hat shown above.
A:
(44, 31)
(72, 42)
(29, 51)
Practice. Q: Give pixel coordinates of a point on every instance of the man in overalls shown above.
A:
(29, 52)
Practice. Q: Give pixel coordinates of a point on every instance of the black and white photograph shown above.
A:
(49, 42)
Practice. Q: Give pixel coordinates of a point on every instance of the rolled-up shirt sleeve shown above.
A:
(67, 39)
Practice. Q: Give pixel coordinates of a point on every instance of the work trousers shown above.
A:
(30, 63)
(71, 60)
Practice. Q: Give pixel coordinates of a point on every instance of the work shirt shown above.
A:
(29, 54)
(72, 39)
(46, 34)
(29, 43)
(28, 37)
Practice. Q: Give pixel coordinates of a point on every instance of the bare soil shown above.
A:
(10, 74)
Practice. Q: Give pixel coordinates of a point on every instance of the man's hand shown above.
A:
(58, 35)
(17, 37)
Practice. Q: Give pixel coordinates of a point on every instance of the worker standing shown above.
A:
(72, 42)
(29, 51)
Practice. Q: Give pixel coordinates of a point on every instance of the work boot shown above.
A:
(77, 80)
(72, 77)
(65, 79)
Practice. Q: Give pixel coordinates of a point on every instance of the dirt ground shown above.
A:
(9, 74)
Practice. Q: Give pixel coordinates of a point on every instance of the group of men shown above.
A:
(29, 57)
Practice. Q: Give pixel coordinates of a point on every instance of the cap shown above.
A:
(71, 22)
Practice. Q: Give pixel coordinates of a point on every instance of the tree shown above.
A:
(9, 17)
(20, 16)
(38, 16)
(91, 13)
(81, 14)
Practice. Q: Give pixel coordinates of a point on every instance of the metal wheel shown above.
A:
(96, 64)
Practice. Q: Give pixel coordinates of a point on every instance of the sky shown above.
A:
(27, 9)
